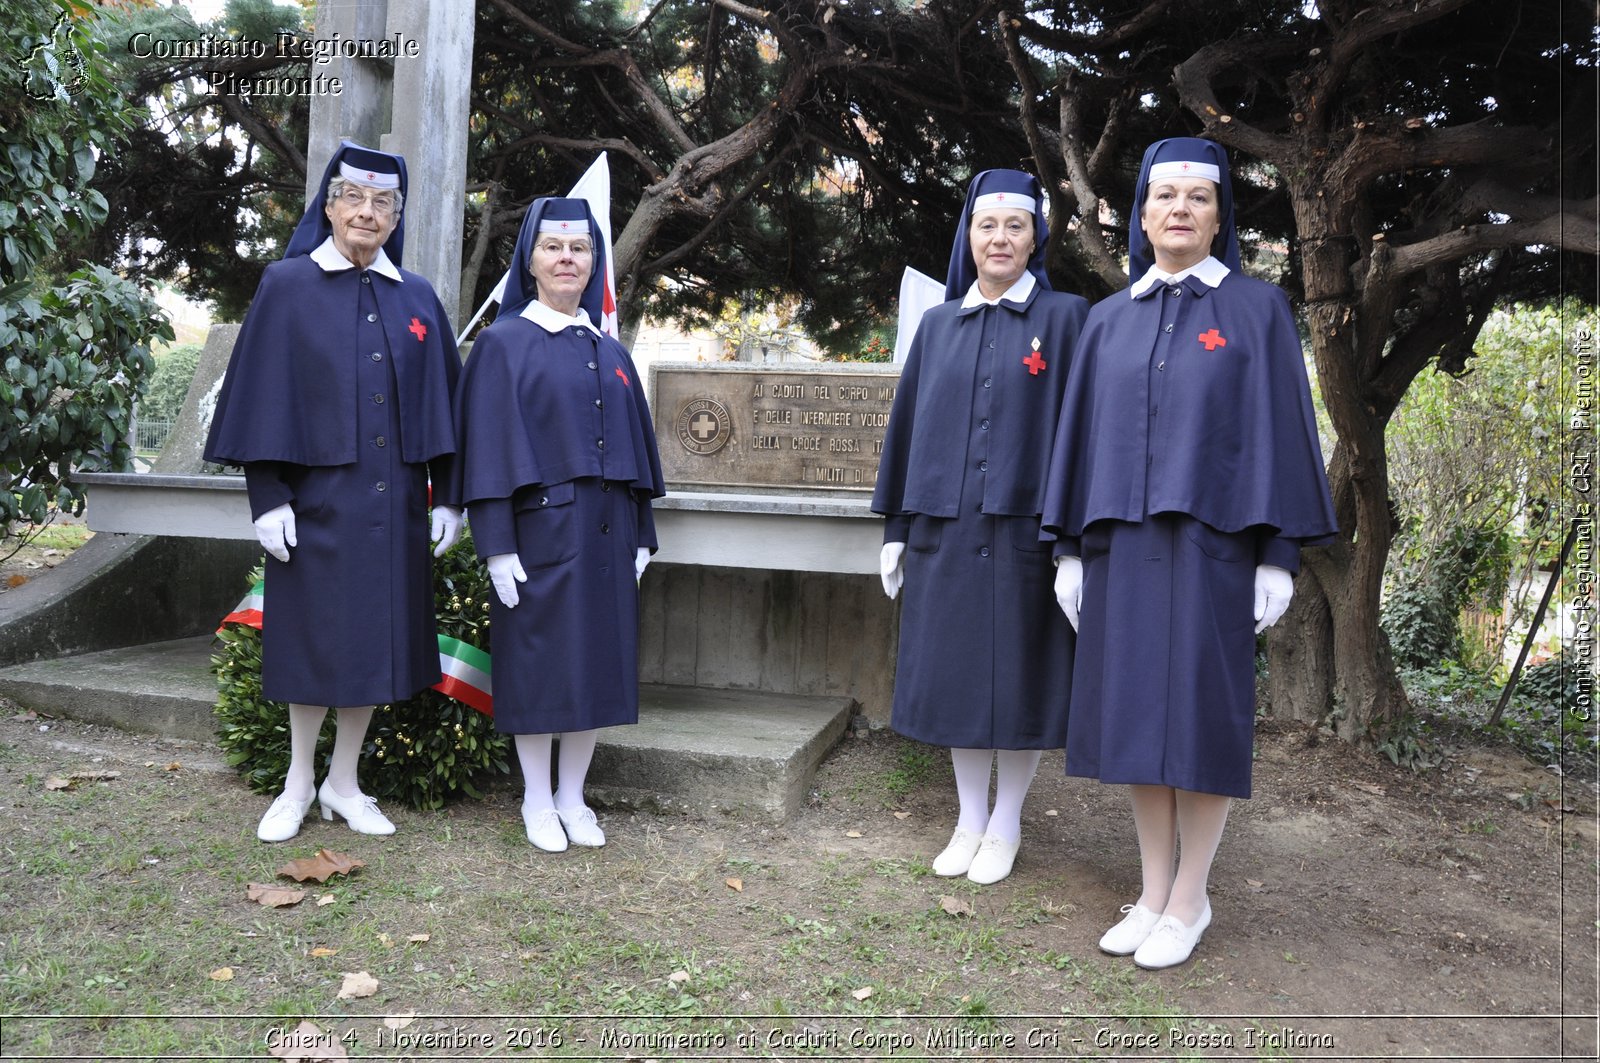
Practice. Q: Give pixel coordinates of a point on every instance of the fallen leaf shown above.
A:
(174, 766)
(1253, 884)
(56, 782)
(385, 940)
(326, 899)
(221, 974)
(321, 951)
(26, 717)
(400, 1022)
(902, 815)
(357, 984)
(852, 834)
(863, 993)
(1371, 788)
(419, 939)
(1051, 812)
(678, 977)
(94, 775)
(273, 896)
(955, 906)
(308, 1043)
(734, 884)
(321, 867)
(16, 579)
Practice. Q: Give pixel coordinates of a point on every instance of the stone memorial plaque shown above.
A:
(811, 428)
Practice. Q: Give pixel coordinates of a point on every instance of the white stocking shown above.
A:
(972, 787)
(533, 752)
(577, 750)
(1013, 774)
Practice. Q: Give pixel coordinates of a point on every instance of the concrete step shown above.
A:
(697, 748)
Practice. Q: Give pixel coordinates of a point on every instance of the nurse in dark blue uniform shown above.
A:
(985, 663)
(1185, 478)
(559, 466)
(337, 403)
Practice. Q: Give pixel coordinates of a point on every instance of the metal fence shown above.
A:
(150, 436)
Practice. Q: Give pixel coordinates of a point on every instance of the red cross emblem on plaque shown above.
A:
(418, 329)
(1035, 362)
(1213, 340)
(624, 376)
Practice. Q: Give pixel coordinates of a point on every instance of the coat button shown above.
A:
(1166, 328)
(377, 356)
(600, 443)
(378, 399)
(983, 466)
(593, 365)
(380, 441)
(605, 485)
(544, 500)
(380, 485)
(605, 529)
(599, 405)
(365, 279)
(1175, 291)
(983, 551)
(984, 424)
(372, 317)
(988, 382)
(1161, 367)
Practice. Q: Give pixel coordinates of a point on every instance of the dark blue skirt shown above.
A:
(1164, 690)
(567, 657)
(985, 656)
(348, 619)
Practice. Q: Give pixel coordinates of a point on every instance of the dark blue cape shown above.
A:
(290, 390)
(528, 413)
(925, 445)
(1234, 441)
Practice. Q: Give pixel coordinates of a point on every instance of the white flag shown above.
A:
(919, 293)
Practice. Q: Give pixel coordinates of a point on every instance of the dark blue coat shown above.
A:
(985, 657)
(337, 402)
(559, 466)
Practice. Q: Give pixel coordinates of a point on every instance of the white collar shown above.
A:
(1207, 271)
(552, 320)
(328, 257)
(1017, 293)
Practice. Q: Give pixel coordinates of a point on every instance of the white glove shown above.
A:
(275, 531)
(1069, 587)
(505, 572)
(446, 528)
(890, 568)
(641, 561)
(1274, 588)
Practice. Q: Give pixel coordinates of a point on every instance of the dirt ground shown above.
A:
(1361, 911)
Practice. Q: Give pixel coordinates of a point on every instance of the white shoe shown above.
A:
(544, 829)
(282, 820)
(360, 813)
(1125, 938)
(581, 827)
(1171, 943)
(994, 859)
(957, 856)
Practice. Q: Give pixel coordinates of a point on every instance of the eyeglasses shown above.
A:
(578, 248)
(355, 198)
